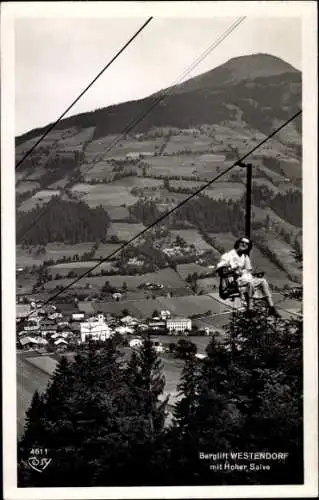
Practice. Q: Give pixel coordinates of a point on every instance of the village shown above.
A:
(45, 328)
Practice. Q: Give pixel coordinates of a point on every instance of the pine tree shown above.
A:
(34, 427)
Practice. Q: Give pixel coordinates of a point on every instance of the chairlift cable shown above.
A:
(142, 115)
(169, 212)
(51, 127)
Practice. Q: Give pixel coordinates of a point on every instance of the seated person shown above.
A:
(238, 260)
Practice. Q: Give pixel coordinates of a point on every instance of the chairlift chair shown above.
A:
(228, 285)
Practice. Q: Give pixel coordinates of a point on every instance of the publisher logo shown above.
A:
(38, 459)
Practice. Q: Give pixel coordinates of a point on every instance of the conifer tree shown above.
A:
(34, 425)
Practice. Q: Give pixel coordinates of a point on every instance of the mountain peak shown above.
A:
(237, 69)
(255, 65)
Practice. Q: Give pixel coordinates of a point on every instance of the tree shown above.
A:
(155, 314)
(33, 431)
(185, 349)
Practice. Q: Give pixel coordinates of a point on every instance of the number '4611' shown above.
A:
(39, 451)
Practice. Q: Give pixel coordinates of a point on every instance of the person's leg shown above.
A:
(261, 284)
(266, 291)
(246, 294)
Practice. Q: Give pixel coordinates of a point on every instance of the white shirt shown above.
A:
(239, 262)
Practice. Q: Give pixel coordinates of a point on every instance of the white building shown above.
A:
(165, 314)
(32, 325)
(95, 329)
(77, 316)
(179, 324)
(129, 321)
(124, 329)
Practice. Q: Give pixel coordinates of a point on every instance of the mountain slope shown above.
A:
(188, 138)
(236, 70)
(264, 87)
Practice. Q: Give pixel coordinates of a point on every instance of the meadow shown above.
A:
(226, 191)
(101, 170)
(126, 231)
(117, 213)
(261, 181)
(184, 306)
(79, 267)
(112, 147)
(191, 236)
(76, 139)
(185, 269)
(104, 194)
(284, 253)
(207, 285)
(59, 250)
(37, 172)
(194, 143)
(140, 182)
(30, 255)
(24, 187)
(225, 240)
(105, 249)
(40, 198)
(167, 277)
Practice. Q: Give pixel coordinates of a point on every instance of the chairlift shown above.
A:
(228, 284)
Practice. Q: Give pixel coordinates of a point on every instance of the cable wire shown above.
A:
(51, 127)
(172, 210)
(141, 116)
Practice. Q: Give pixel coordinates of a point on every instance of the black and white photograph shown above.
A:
(159, 267)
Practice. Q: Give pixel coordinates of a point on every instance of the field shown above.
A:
(76, 139)
(185, 269)
(184, 306)
(36, 173)
(191, 304)
(104, 194)
(117, 213)
(174, 184)
(26, 257)
(112, 148)
(59, 250)
(225, 240)
(225, 190)
(261, 181)
(29, 256)
(125, 231)
(206, 285)
(188, 141)
(79, 268)
(26, 186)
(140, 182)
(39, 198)
(47, 141)
(100, 170)
(284, 253)
(105, 249)
(186, 165)
(167, 277)
(191, 236)
(59, 184)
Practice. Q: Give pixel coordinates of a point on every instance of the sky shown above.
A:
(56, 58)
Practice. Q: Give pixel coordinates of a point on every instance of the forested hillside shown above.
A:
(68, 222)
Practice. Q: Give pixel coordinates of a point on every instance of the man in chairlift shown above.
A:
(249, 286)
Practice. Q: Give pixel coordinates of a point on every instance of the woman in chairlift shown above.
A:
(238, 261)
